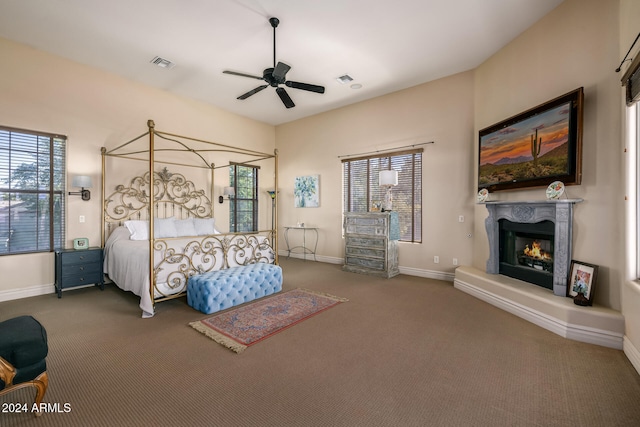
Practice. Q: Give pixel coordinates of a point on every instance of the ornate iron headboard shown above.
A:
(174, 196)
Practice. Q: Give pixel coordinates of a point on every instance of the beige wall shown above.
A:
(440, 111)
(94, 109)
(574, 45)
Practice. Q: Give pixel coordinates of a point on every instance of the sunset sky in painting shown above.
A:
(515, 141)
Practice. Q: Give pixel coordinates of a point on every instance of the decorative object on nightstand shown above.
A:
(388, 178)
(78, 268)
(81, 243)
(371, 243)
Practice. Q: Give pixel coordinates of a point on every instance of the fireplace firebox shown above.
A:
(526, 251)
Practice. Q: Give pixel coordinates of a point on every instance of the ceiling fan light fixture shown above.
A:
(344, 79)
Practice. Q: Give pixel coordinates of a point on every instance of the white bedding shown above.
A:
(126, 261)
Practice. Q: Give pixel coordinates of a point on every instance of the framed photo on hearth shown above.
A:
(582, 280)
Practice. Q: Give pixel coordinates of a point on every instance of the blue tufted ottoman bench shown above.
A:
(217, 290)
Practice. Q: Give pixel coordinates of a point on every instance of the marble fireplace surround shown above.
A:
(560, 212)
(548, 309)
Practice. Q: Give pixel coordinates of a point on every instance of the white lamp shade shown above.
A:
(389, 177)
(81, 181)
(229, 191)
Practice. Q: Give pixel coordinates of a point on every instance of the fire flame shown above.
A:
(536, 252)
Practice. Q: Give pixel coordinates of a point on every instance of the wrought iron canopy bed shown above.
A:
(162, 212)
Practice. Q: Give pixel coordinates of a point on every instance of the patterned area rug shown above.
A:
(241, 327)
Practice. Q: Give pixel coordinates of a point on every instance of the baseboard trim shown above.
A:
(632, 353)
(567, 330)
(429, 274)
(410, 271)
(32, 291)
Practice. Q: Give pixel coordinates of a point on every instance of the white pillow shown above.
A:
(185, 227)
(139, 229)
(164, 227)
(204, 226)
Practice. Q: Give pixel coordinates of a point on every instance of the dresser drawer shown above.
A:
(365, 252)
(80, 257)
(369, 242)
(374, 264)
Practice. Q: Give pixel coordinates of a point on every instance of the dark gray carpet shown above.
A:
(402, 352)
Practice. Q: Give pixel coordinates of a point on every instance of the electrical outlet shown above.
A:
(436, 259)
(455, 261)
(81, 219)
(461, 218)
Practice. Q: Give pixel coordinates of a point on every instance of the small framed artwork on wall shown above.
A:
(306, 191)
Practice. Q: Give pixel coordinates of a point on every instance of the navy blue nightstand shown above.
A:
(78, 268)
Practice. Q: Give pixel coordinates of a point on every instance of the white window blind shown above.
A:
(361, 189)
(32, 189)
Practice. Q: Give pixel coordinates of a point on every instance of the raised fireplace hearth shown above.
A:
(552, 227)
(531, 241)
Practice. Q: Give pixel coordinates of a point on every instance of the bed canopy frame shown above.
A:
(173, 194)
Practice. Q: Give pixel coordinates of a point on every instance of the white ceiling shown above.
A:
(385, 46)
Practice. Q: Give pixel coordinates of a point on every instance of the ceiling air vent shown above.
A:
(344, 79)
(162, 63)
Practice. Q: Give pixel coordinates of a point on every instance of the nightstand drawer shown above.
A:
(81, 257)
(79, 269)
(82, 279)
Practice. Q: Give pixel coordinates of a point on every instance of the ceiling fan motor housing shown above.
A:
(268, 77)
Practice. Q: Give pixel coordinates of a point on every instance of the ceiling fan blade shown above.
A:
(305, 86)
(280, 71)
(284, 96)
(252, 92)
(242, 75)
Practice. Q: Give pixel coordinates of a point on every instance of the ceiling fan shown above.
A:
(276, 76)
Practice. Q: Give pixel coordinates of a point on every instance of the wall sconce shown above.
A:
(84, 182)
(388, 178)
(229, 192)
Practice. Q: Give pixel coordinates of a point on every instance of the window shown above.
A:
(243, 214)
(631, 82)
(361, 189)
(32, 183)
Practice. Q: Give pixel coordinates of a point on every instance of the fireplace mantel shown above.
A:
(560, 212)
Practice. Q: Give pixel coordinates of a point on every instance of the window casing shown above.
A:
(32, 191)
(361, 189)
(243, 214)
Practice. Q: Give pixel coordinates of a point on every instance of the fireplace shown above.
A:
(547, 226)
(526, 251)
